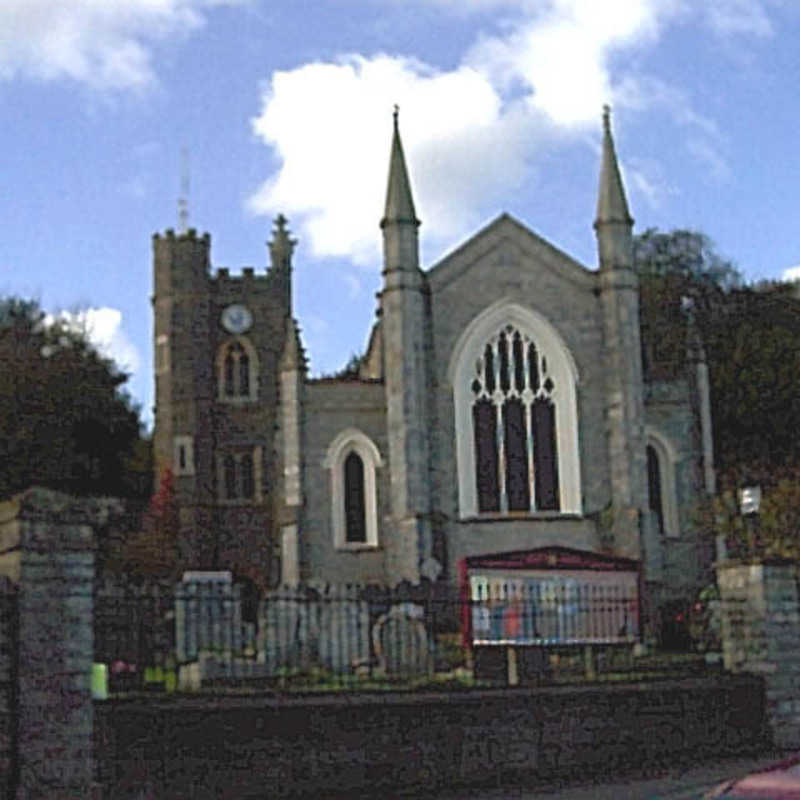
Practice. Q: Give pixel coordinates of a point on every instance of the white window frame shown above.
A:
(667, 462)
(564, 372)
(253, 370)
(162, 354)
(349, 441)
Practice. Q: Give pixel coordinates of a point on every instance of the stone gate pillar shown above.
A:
(761, 634)
(47, 550)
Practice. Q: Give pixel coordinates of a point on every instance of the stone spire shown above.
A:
(399, 202)
(612, 207)
(404, 322)
(619, 297)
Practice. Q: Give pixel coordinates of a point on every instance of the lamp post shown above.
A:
(749, 505)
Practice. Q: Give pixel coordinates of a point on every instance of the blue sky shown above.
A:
(287, 107)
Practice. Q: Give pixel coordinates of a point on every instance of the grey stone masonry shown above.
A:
(761, 635)
(8, 658)
(48, 551)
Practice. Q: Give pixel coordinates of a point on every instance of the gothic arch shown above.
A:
(538, 467)
(350, 451)
(237, 371)
(661, 472)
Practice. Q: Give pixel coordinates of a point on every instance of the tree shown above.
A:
(65, 422)
(152, 551)
(754, 358)
(677, 270)
(751, 336)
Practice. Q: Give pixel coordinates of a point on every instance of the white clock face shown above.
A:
(237, 318)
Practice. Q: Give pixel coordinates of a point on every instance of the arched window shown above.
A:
(237, 369)
(654, 487)
(661, 464)
(352, 459)
(516, 420)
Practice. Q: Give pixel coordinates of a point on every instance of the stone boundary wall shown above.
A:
(47, 551)
(760, 621)
(343, 745)
(8, 682)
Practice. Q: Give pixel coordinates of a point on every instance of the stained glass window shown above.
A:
(514, 426)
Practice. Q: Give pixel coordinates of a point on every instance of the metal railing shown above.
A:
(209, 633)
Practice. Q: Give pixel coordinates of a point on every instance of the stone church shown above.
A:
(500, 407)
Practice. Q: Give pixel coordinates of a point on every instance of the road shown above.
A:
(680, 783)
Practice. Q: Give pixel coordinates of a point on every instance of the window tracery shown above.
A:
(516, 423)
(514, 426)
(237, 367)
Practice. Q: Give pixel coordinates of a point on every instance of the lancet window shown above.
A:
(237, 367)
(353, 460)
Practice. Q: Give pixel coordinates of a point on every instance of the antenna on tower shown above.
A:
(183, 198)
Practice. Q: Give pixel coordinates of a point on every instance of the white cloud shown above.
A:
(103, 327)
(791, 274)
(102, 43)
(330, 124)
(738, 17)
(471, 133)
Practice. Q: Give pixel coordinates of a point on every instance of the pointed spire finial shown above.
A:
(281, 245)
(399, 202)
(183, 198)
(611, 203)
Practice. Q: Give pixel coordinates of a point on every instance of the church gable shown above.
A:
(507, 263)
(506, 240)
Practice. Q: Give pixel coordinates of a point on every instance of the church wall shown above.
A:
(330, 408)
(512, 266)
(669, 412)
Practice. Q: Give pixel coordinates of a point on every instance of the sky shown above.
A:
(115, 109)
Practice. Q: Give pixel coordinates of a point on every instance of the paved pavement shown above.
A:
(678, 783)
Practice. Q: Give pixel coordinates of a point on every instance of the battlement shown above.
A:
(182, 263)
(190, 235)
(223, 275)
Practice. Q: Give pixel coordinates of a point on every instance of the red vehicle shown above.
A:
(780, 781)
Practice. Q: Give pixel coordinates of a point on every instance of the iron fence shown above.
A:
(204, 632)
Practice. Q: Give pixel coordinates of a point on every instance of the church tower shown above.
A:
(404, 327)
(619, 293)
(219, 340)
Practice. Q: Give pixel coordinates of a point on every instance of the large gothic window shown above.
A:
(353, 459)
(514, 426)
(516, 420)
(237, 370)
